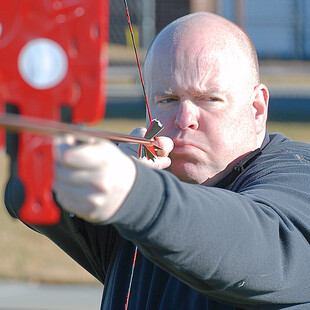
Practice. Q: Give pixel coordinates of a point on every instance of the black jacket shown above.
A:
(244, 243)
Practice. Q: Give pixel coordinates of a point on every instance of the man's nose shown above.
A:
(187, 115)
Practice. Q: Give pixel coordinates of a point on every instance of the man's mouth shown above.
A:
(185, 147)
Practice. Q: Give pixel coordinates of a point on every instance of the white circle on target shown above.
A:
(42, 63)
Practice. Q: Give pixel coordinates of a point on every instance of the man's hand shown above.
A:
(93, 179)
(161, 162)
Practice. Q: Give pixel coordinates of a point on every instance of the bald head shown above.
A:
(217, 35)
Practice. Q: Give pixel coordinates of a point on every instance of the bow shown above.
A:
(67, 83)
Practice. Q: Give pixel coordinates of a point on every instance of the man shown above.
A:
(228, 226)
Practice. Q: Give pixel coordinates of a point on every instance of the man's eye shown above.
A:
(166, 100)
(211, 99)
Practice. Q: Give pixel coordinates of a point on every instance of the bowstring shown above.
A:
(150, 118)
(137, 60)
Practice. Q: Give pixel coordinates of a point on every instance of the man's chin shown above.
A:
(196, 172)
(185, 172)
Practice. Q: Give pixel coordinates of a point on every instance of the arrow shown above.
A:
(13, 122)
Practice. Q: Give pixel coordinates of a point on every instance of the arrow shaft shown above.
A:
(13, 122)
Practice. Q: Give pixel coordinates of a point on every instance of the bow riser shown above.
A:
(72, 35)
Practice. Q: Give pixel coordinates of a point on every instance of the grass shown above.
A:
(28, 256)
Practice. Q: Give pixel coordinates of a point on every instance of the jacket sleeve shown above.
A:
(79, 239)
(248, 246)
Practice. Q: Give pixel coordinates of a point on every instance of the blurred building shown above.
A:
(280, 28)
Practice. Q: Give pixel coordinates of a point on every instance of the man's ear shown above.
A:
(260, 100)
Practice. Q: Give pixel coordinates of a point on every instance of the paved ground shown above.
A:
(36, 296)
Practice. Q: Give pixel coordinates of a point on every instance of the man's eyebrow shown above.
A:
(163, 93)
(194, 92)
(209, 91)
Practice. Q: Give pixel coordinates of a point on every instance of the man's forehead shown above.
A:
(197, 56)
(190, 50)
(188, 81)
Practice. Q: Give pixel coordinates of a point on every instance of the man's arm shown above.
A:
(243, 248)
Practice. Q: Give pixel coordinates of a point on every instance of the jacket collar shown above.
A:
(242, 164)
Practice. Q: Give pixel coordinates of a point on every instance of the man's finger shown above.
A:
(166, 144)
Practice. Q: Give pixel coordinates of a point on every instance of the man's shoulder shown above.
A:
(280, 161)
(281, 149)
